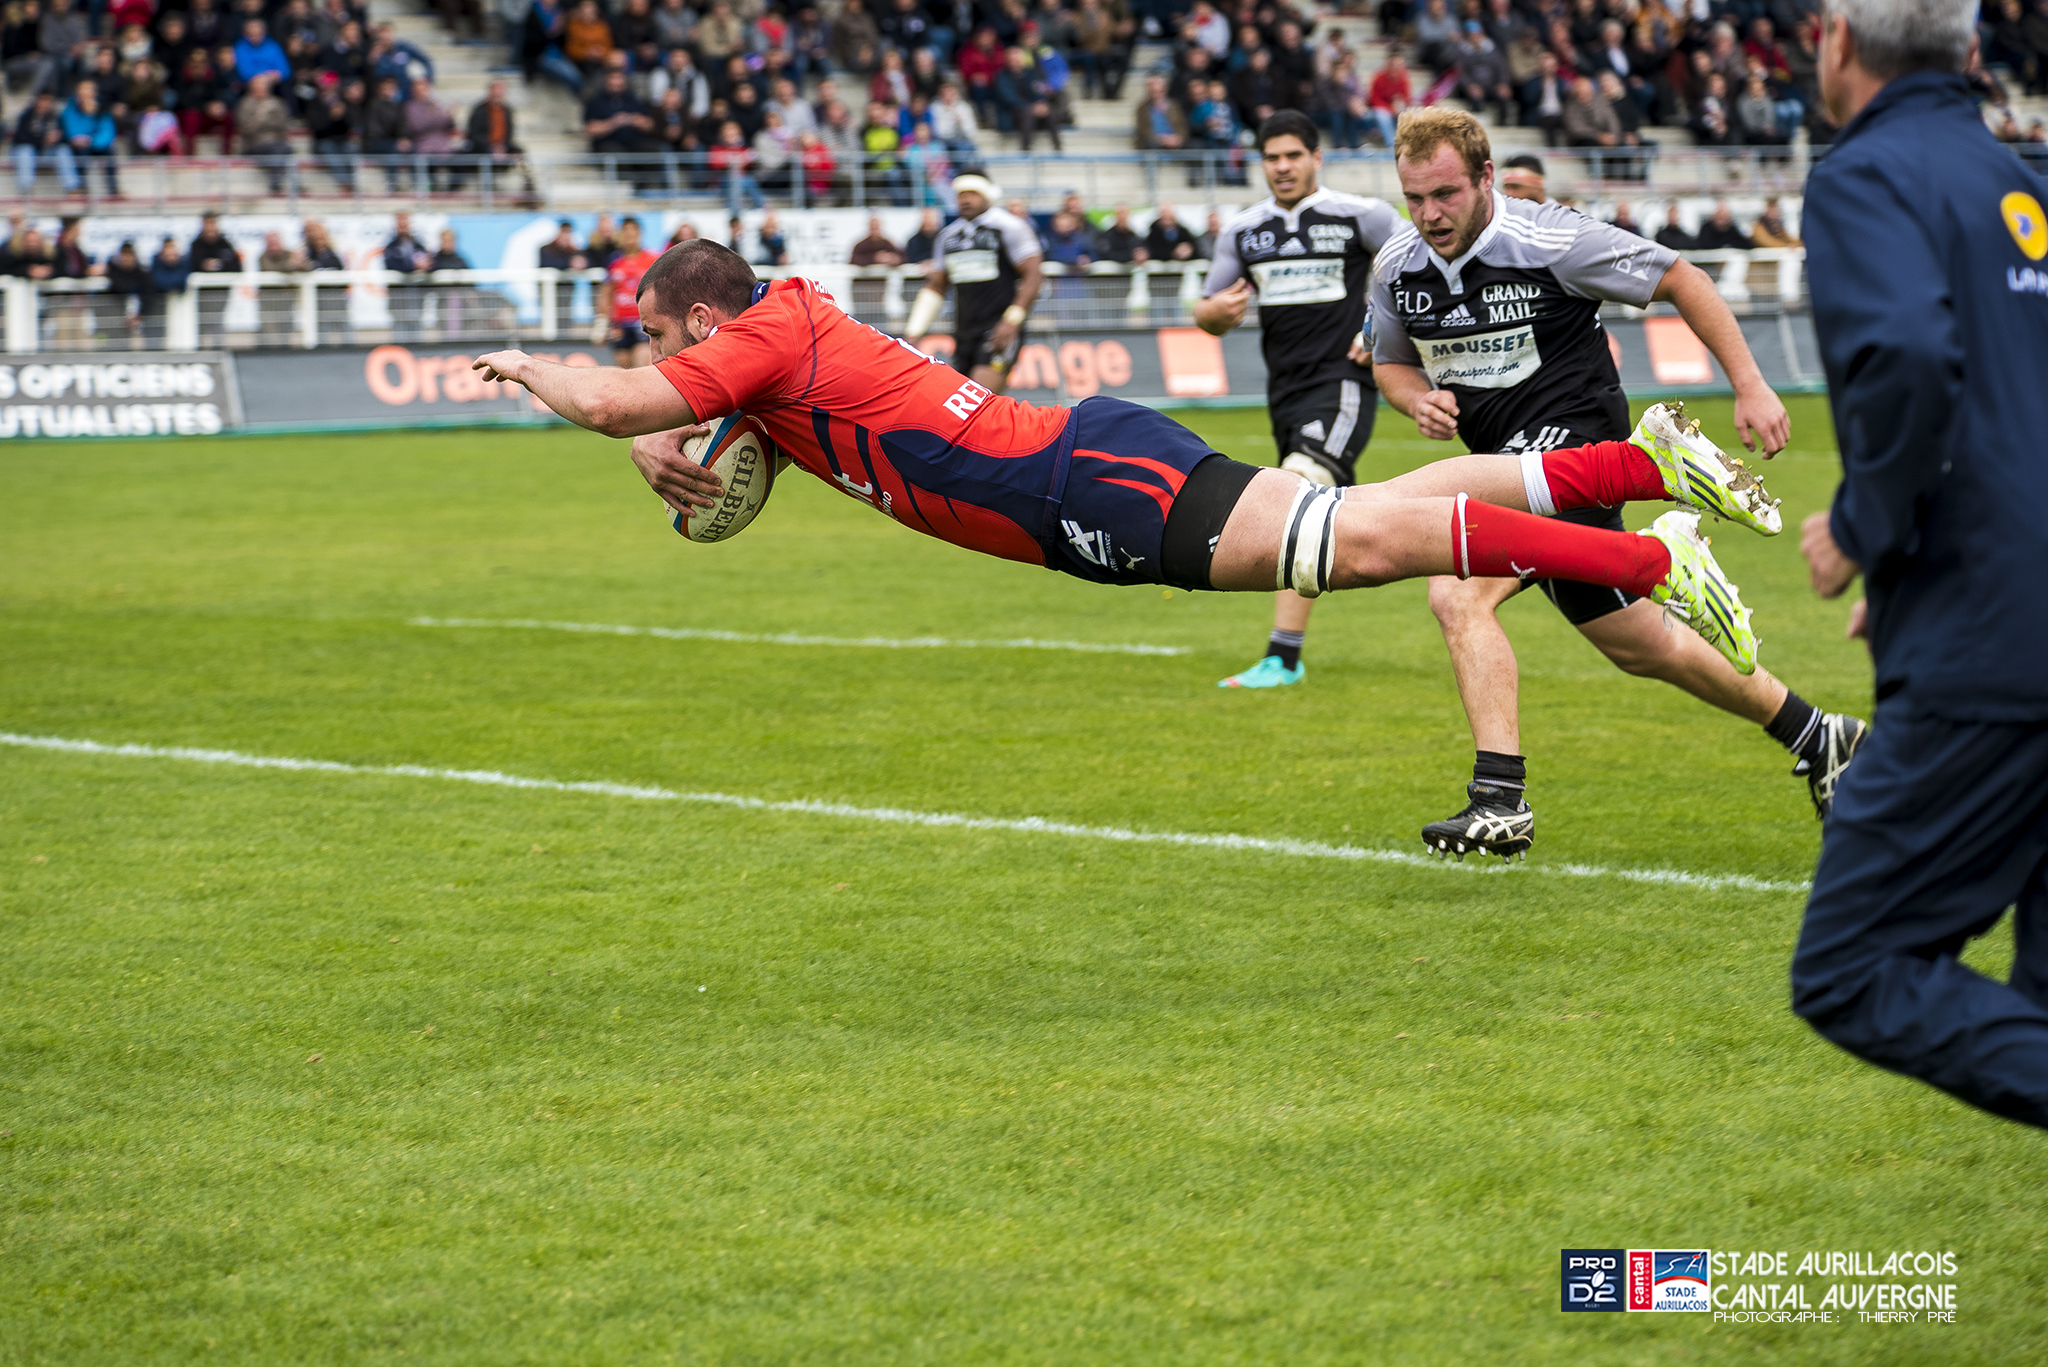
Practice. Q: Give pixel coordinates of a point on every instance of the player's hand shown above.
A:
(1000, 336)
(1761, 420)
(502, 365)
(1831, 570)
(1859, 619)
(1231, 303)
(1361, 351)
(1436, 413)
(683, 484)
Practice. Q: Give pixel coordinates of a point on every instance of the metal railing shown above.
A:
(306, 310)
(617, 180)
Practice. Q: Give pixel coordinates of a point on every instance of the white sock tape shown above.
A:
(1464, 551)
(1308, 547)
(1536, 485)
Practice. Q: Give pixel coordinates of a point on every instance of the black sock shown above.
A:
(1502, 771)
(1287, 645)
(1797, 726)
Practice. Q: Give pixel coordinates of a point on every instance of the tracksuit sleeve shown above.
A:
(1893, 353)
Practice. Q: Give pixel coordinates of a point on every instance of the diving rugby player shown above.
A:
(1485, 314)
(1306, 254)
(1109, 491)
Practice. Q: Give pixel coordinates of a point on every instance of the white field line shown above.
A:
(899, 816)
(791, 639)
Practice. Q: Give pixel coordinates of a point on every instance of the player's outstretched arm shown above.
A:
(618, 403)
(1760, 418)
(1225, 309)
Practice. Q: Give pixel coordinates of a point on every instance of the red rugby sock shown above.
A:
(1605, 474)
(1496, 542)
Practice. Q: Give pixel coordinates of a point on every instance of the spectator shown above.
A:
(39, 138)
(732, 160)
(430, 128)
(1756, 113)
(797, 116)
(1120, 241)
(876, 249)
(257, 52)
(1390, 93)
(1625, 220)
(544, 31)
(27, 256)
(980, 65)
(880, 141)
(89, 130)
(319, 250)
(1024, 101)
(686, 231)
(924, 241)
(587, 40)
(820, 167)
(1590, 121)
(1205, 245)
(492, 132)
(1673, 233)
(404, 253)
(278, 257)
(211, 251)
(447, 258)
(1482, 73)
(1070, 241)
(71, 259)
(633, 27)
(1770, 229)
(331, 119)
(23, 64)
(615, 120)
(1100, 49)
(774, 249)
(1436, 36)
(679, 72)
(774, 153)
(953, 122)
(720, 34)
(1168, 239)
(202, 106)
(560, 252)
(1544, 99)
(168, 269)
(1720, 232)
(1160, 124)
(384, 128)
(1712, 121)
(264, 125)
(64, 35)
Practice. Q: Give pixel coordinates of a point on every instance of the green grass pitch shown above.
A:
(333, 1067)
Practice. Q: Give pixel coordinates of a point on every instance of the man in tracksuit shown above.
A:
(1925, 242)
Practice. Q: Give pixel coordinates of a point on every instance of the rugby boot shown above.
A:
(1699, 592)
(1701, 475)
(1839, 738)
(1495, 821)
(1269, 672)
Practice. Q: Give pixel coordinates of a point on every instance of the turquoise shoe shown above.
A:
(1267, 673)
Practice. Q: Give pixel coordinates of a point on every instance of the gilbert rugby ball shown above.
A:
(744, 457)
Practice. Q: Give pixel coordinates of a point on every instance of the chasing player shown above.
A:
(622, 278)
(1309, 252)
(993, 261)
(1109, 491)
(1486, 326)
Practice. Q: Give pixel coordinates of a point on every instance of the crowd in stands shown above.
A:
(774, 99)
(1597, 73)
(119, 78)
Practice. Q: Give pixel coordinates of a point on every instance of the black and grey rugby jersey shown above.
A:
(1512, 327)
(980, 257)
(1311, 266)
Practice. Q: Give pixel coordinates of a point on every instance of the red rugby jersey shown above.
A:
(881, 421)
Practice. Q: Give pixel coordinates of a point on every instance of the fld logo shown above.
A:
(1592, 1279)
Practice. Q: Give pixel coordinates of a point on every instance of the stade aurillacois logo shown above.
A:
(1649, 1279)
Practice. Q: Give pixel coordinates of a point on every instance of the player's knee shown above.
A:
(1454, 602)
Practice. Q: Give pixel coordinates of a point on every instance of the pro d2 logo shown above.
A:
(1592, 1279)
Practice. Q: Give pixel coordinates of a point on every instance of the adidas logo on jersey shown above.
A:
(1292, 247)
(1460, 317)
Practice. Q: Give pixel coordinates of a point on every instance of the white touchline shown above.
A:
(899, 816)
(791, 639)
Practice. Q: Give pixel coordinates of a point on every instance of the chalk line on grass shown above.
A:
(901, 816)
(792, 639)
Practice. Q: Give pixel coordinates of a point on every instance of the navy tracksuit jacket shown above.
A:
(1928, 255)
